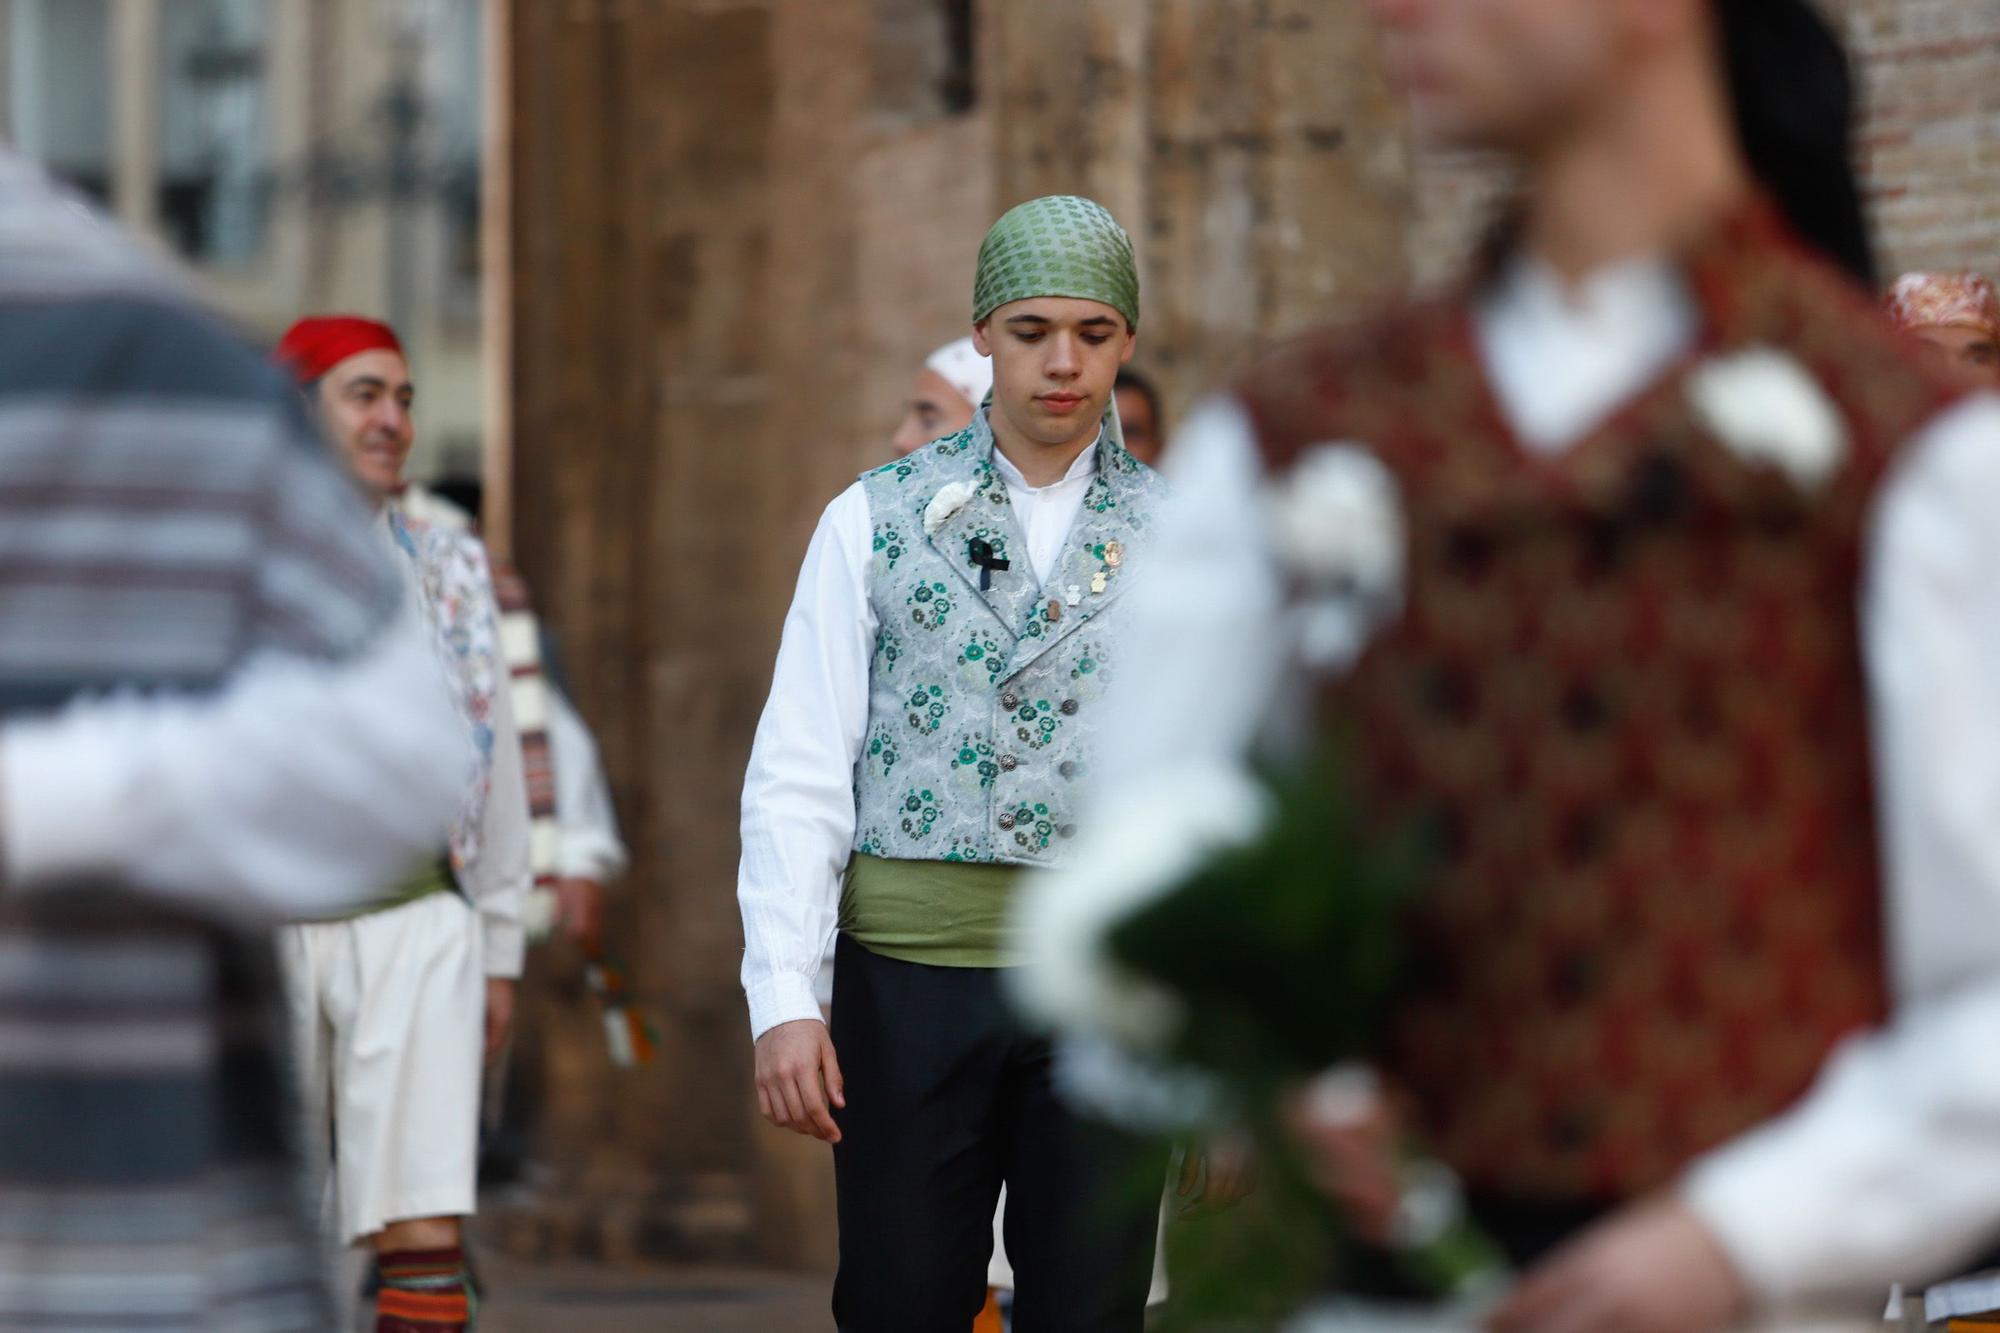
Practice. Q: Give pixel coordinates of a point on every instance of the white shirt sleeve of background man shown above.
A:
(299, 788)
(1890, 1168)
(588, 845)
(798, 795)
(499, 877)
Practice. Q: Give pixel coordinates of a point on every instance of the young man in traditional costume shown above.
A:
(1954, 315)
(219, 712)
(1649, 574)
(393, 1008)
(936, 694)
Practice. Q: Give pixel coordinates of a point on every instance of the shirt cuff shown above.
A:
(591, 859)
(506, 948)
(1748, 1197)
(783, 997)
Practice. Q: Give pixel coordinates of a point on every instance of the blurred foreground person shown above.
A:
(219, 713)
(953, 383)
(1648, 574)
(1957, 317)
(394, 1005)
(934, 706)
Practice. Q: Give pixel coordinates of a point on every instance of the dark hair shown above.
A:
(1132, 379)
(468, 493)
(1794, 100)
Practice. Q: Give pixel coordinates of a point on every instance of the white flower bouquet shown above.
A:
(1239, 936)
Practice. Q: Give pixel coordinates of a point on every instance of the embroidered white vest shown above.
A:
(984, 703)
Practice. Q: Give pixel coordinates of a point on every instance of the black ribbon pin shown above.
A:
(981, 553)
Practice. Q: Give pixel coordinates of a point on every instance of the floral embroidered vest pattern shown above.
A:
(1624, 708)
(983, 703)
(458, 602)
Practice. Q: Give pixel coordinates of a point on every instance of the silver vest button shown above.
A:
(1010, 701)
(1008, 763)
(1007, 821)
(1069, 707)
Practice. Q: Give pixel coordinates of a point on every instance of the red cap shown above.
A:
(316, 345)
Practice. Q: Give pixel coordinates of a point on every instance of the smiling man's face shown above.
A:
(365, 405)
(1055, 360)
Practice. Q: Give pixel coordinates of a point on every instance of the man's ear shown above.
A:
(980, 342)
(1131, 346)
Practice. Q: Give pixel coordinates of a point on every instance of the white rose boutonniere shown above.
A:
(1764, 405)
(1336, 523)
(943, 505)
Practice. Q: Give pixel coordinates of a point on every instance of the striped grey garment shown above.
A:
(165, 514)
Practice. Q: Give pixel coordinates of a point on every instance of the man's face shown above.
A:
(1970, 354)
(1055, 359)
(935, 410)
(365, 404)
(1142, 426)
(1503, 74)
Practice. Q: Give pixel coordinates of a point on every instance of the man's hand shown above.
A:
(1346, 1128)
(1216, 1178)
(580, 911)
(499, 1014)
(798, 1077)
(1653, 1268)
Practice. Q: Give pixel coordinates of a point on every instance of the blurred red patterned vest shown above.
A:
(1625, 706)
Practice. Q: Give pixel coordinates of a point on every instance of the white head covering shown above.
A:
(964, 369)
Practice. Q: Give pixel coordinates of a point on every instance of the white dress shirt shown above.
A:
(1890, 1168)
(587, 841)
(798, 796)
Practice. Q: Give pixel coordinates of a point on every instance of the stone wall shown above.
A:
(740, 224)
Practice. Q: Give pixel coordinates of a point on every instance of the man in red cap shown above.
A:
(406, 976)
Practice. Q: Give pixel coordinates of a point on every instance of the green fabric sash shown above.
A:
(434, 877)
(941, 913)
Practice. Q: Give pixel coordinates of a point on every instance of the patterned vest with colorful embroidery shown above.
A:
(456, 586)
(983, 702)
(1624, 707)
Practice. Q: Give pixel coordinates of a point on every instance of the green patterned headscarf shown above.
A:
(1058, 245)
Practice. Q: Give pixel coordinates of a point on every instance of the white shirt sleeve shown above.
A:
(1890, 1168)
(1200, 697)
(588, 845)
(297, 790)
(501, 874)
(798, 796)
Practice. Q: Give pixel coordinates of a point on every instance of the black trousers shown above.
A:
(946, 1099)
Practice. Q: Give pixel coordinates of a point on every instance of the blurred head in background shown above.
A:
(954, 381)
(357, 379)
(1579, 90)
(1956, 316)
(1139, 415)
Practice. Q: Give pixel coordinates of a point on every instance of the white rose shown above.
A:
(1764, 405)
(943, 505)
(1336, 522)
(1153, 837)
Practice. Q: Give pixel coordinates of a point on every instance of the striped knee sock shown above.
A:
(424, 1291)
